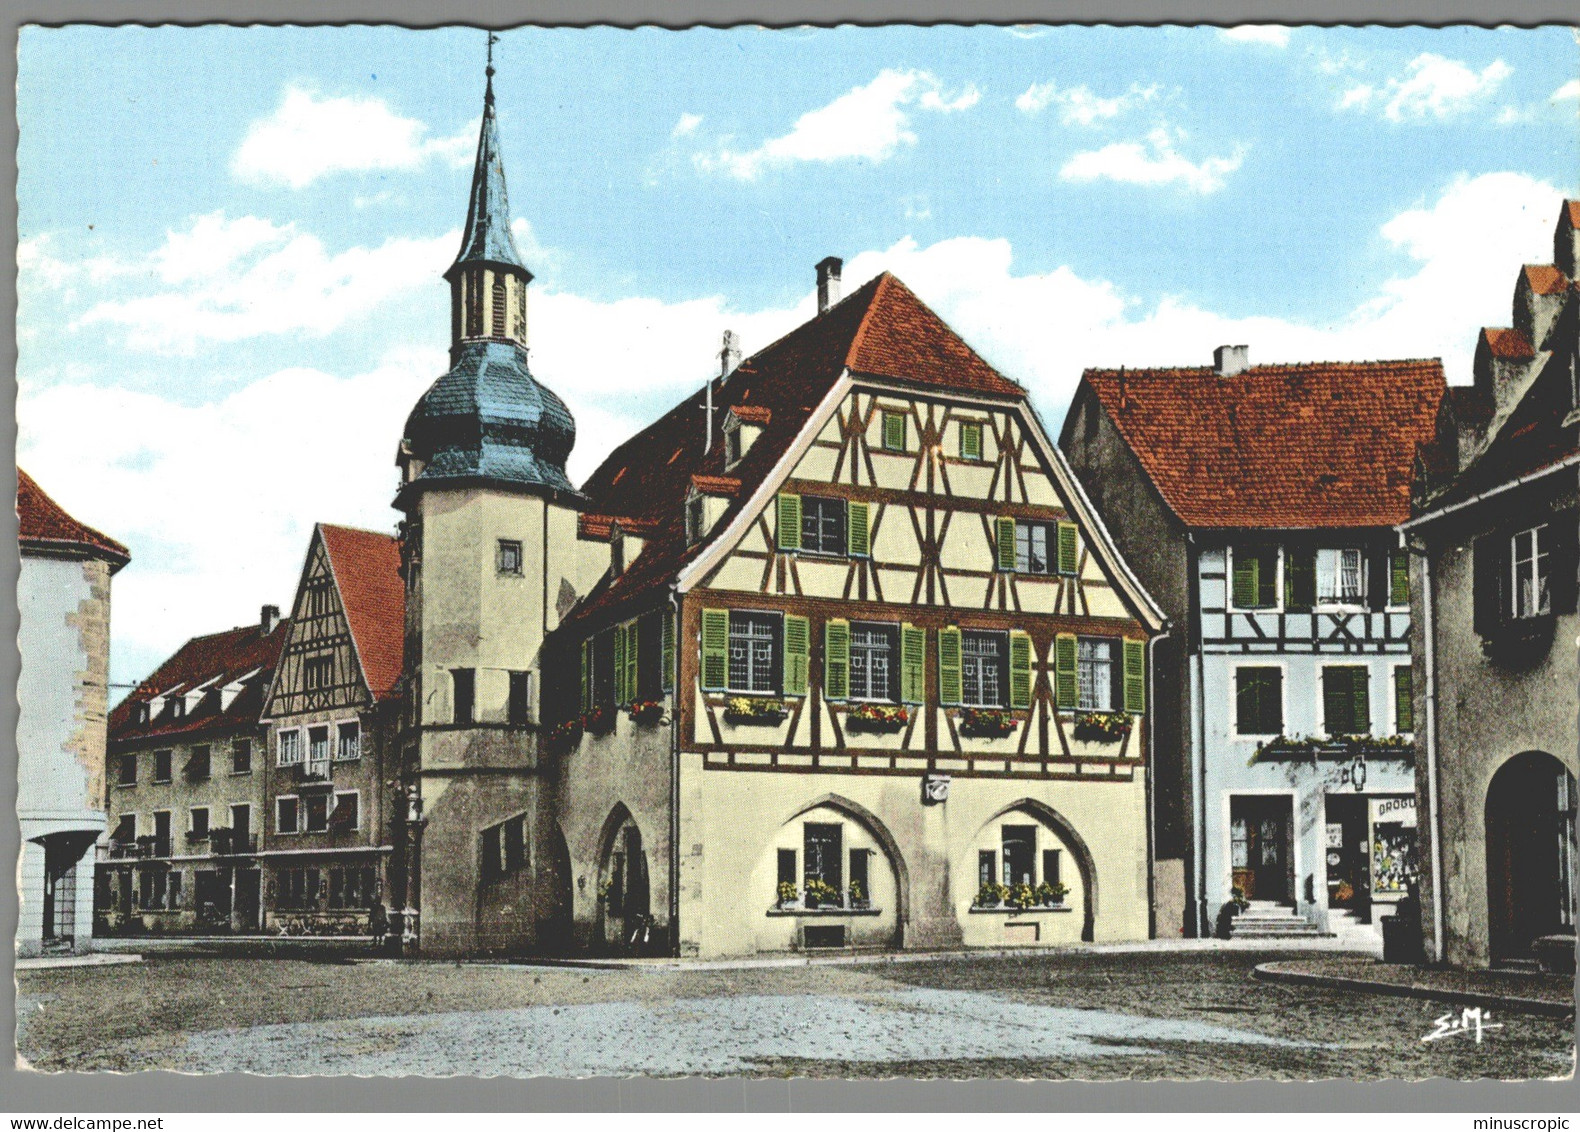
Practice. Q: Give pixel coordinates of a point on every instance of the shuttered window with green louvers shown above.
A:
(913, 664)
(715, 649)
(836, 659)
(970, 440)
(858, 535)
(621, 691)
(1066, 687)
(1004, 543)
(587, 675)
(631, 653)
(797, 654)
(1346, 704)
(1300, 580)
(949, 665)
(1255, 577)
(1399, 578)
(1067, 548)
(667, 652)
(789, 521)
(894, 432)
(1019, 669)
(1403, 700)
(1135, 677)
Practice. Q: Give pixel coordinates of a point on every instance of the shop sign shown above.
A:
(1394, 811)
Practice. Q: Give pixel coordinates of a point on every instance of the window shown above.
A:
(162, 833)
(521, 312)
(348, 745)
(298, 889)
(197, 825)
(786, 868)
(1403, 700)
(241, 756)
(1051, 869)
(1036, 547)
(462, 682)
(507, 558)
(1340, 577)
(290, 747)
(318, 671)
(822, 525)
(352, 887)
(162, 766)
(1530, 551)
(126, 771)
(1020, 854)
(1399, 578)
(1254, 577)
(318, 745)
(1346, 708)
(754, 653)
(696, 518)
(732, 446)
(518, 710)
(286, 815)
(1031, 549)
(240, 824)
(971, 440)
(982, 669)
(987, 867)
(125, 829)
(319, 602)
(824, 846)
(860, 888)
(500, 307)
(872, 662)
(347, 814)
(1095, 670)
(504, 848)
(197, 768)
(893, 431)
(1259, 701)
(315, 813)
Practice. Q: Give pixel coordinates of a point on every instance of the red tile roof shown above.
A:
(1574, 212)
(881, 330)
(1545, 279)
(210, 662)
(716, 485)
(1323, 444)
(592, 526)
(366, 566)
(43, 524)
(1506, 343)
(752, 414)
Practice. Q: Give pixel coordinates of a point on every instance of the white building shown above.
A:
(63, 594)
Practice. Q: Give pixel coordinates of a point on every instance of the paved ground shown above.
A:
(1152, 1014)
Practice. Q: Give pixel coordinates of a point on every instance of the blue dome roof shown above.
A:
(488, 419)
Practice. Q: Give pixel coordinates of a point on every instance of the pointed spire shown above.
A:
(487, 238)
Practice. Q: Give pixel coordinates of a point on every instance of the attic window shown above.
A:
(696, 518)
(732, 443)
(140, 713)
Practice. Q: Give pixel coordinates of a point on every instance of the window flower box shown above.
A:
(1102, 726)
(879, 718)
(855, 897)
(648, 713)
(753, 711)
(1333, 747)
(789, 894)
(987, 723)
(599, 721)
(1052, 895)
(991, 895)
(563, 736)
(821, 894)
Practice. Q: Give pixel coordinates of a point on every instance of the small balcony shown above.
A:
(310, 775)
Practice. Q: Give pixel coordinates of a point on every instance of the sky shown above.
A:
(231, 239)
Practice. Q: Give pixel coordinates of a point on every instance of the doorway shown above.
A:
(1530, 854)
(1347, 849)
(1261, 856)
(625, 889)
(244, 911)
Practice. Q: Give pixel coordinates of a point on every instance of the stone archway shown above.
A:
(880, 833)
(1530, 824)
(1083, 856)
(625, 913)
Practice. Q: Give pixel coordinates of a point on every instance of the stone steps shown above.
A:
(1265, 919)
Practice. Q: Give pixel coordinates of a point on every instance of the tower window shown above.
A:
(474, 303)
(521, 312)
(509, 556)
(499, 329)
(462, 680)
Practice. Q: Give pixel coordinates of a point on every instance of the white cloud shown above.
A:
(230, 279)
(309, 137)
(1154, 162)
(688, 124)
(1431, 86)
(869, 122)
(1268, 35)
(1079, 106)
(1569, 92)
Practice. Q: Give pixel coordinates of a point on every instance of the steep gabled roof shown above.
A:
(1322, 444)
(208, 662)
(44, 525)
(367, 571)
(880, 331)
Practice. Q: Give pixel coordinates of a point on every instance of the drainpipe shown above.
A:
(1429, 662)
(1152, 802)
(674, 785)
(1198, 733)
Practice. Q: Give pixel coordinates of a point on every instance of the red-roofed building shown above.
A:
(1257, 504)
(185, 794)
(63, 598)
(1494, 531)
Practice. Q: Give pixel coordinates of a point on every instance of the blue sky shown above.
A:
(232, 237)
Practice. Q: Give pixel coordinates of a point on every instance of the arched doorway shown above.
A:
(1530, 854)
(624, 892)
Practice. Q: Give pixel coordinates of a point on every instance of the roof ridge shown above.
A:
(856, 339)
(356, 530)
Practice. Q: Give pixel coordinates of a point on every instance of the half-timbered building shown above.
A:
(1257, 503)
(329, 717)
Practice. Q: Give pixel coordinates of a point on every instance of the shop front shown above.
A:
(1369, 850)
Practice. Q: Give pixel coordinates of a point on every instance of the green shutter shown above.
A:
(587, 648)
(970, 441)
(1067, 546)
(1403, 699)
(1247, 578)
(1004, 543)
(797, 652)
(894, 432)
(715, 649)
(836, 659)
(949, 665)
(1360, 679)
(1066, 687)
(620, 696)
(1019, 669)
(1399, 579)
(1300, 579)
(667, 651)
(857, 538)
(1135, 676)
(630, 662)
(913, 664)
(1337, 713)
(789, 521)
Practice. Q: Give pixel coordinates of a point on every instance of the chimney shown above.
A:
(1230, 360)
(730, 355)
(268, 619)
(828, 282)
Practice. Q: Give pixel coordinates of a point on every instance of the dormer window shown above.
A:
(696, 517)
(616, 550)
(140, 713)
(732, 443)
